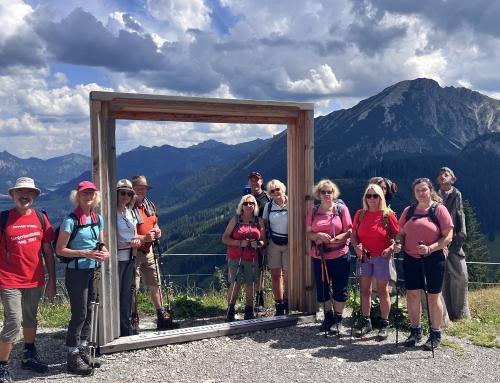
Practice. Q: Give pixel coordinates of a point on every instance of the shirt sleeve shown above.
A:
(444, 218)
(402, 219)
(356, 219)
(67, 225)
(346, 219)
(48, 234)
(393, 223)
(309, 218)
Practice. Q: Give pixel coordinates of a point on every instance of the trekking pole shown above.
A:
(397, 298)
(94, 312)
(134, 315)
(157, 253)
(321, 251)
(234, 282)
(426, 299)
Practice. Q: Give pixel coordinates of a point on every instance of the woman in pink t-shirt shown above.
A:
(329, 228)
(373, 230)
(426, 229)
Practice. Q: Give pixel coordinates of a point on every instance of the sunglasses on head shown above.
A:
(123, 193)
(374, 196)
(326, 192)
(272, 191)
(248, 204)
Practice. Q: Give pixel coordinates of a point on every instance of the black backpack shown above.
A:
(278, 238)
(431, 213)
(4, 217)
(76, 227)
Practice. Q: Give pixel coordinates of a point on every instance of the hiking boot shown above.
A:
(76, 365)
(366, 327)
(434, 340)
(85, 355)
(328, 321)
(414, 338)
(231, 311)
(164, 321)
(249, 313)
(285, 303)
(5, 376)
(337, 324)
(383, 332)
(259, 300)
(280, 309)
(31, 361)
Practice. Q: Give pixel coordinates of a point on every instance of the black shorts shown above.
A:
(434, 272)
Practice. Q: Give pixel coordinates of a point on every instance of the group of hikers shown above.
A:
(430, 233)
(256, 237)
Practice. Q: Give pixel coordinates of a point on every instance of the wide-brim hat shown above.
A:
(25, 183)
(140, 181)
(124, 184)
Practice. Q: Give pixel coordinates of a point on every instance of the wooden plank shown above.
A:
(158, 116)
(182, 335)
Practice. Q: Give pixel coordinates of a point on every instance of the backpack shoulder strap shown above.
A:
(387, 224)
(360, 218)
(76, 227)
(410, 212)
(237, 224)
(432, 214)
(4, 217)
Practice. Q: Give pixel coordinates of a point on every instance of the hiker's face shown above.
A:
(86, 197)
(256, 184)
(140, 192)
(383, 185)
(445, 178)
(422, 192)
(23, 197)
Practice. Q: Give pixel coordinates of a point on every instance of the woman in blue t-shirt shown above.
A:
(84, 247)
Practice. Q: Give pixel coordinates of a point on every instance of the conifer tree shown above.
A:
(475, 247)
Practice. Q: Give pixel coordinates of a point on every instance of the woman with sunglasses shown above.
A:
(80, 242)
(276, 220)
(426, 229)
(126, 233)
(372, 238)
(329, 228)
(245, 237)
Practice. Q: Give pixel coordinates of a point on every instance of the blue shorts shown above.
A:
(433, 268)
(377, 267)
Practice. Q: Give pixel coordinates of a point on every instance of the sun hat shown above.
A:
(85, 185)
(25, 183)
(124, 184)
(140, 181)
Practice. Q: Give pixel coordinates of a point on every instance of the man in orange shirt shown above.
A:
(145, 261)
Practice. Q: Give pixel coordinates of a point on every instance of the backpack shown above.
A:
(278, 238)
(339, 207)
(76, 227)
(4, 217)
(431, 213)
(385, 217)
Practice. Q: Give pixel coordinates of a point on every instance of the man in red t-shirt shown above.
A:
(22, 276)
(145, 262)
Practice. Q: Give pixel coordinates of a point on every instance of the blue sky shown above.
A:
(330, 52)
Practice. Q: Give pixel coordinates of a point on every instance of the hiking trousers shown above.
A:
(455, 286)
(80, 286)
(126, 272)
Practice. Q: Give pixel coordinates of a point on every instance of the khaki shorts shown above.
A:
(246, 272)
(19, 309)
(145, 265)
(277, 256)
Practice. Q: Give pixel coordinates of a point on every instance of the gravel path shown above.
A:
(293, 354)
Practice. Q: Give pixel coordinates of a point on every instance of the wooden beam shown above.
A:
(182, 335)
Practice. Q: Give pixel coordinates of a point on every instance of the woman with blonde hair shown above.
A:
(80, 245)
(329, 228)
(426, 229)
(276, 220)
(244, 236)
(374, 228)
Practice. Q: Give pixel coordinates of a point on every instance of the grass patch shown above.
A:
(483, 329)
(453, 345)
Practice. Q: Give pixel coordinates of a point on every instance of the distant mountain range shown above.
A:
(408, 130)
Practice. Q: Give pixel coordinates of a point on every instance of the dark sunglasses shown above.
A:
(130, 194)
(326, 192)
(274, 190)
(374, 196)
(248, 204)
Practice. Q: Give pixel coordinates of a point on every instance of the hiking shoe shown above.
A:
(249, 313)
(5, 376)
(366, 327)
(259, 300)
(280, 309)
(414, 338)
(285, 303)
(31, 361)
(231, 311)
(383, 332)
(328, 321)
(337, 324)
(76, 365)
(85, 355)
(434, 340)
(164, 321)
